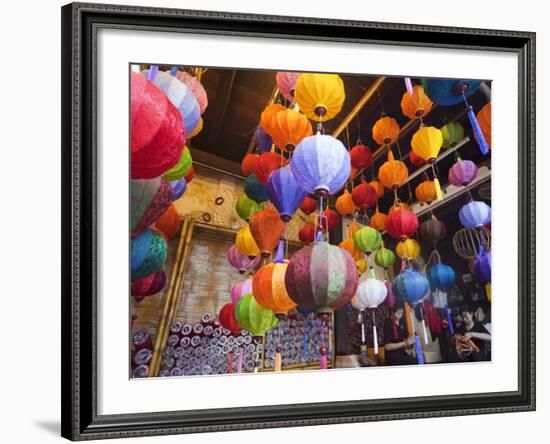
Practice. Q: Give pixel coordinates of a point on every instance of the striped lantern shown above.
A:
(149, 199)
(254, 318)
(453, 132)
(286, 82)
(241, 262)
(462, 173)
(367, 239)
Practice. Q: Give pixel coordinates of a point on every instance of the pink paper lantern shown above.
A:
(240, 289)
(196, 88)
(240, 261)
(286, 82)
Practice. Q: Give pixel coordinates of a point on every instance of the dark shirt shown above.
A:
(390, 333)
(478, 327)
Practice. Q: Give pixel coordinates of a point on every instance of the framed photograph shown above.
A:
(281, 221)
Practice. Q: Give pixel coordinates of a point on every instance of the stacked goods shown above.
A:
(142, 352)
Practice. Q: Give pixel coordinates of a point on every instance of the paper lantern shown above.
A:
(362, 265)
(452, 132)
(266, 164)
(190, 174)
(384, 257)
(321, 276)
(426, 142)
(416, 104)
(267, 115)
(286, 82)
(416, 160)
(148, 200)
(239, 289)
(364, 195)
(181, 168)
(344, 204)
(425, 191)
(246, 207)
(367, 239)
(449, 92)
(284, 192)
(308, 205)
(148, 253)
(254, 318)
(262, 140)
(385, 131)
(482, 268)
(361, 156)
(370, 293)
(462, 173)
(329, 221)
(169, 222)
(378, 187)
(407, 249)
(241, 262)
(321, 164)
(475, 214)
(246, 243)
(351, 248)
(196, 88)
(289, 128)
(378, 221)
(178, 188)
(267, 228)
(307, 234)
(393, 173)
(484, 119)
(227, 318)
(198, 129)
(441, 276)
(248, 163)
(401, 223)
(320, 96)
(432, 230)
(148, 285)
(255, 190)
(410, 286)
(157, 131)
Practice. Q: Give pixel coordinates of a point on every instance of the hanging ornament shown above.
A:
(361, 156)
(241, 262)
(307, 234)
(441, 276)
(362, 265)
(417, 104)
(432, 230)
(246, 243)
(407, 249)
(196, 88)
(284, 192)
(378, 220)
(385, 131)
(401, 223)
(255, 190)
(384, 257)
(393, 173)
(148, 200)
(266, 164)
(344, 204)
(462, 173)
(239, 289)
(266, 228)
(452, 132)
(286, 82)
(228, 320)
(370, 294)
(181, 168)
(267, 115)
(475, 214)
(468, 242)
(364, 195)
(246, 207)
(254, 318)
(367, 239)
(329, 221)
(320, 96)
(321, 165)
(262, 140)
(378, 187)
(148, 253)
(484, 119)
(482, 267)
(308, 205)
(410, 286)
(425, 191)
(288, 129)
(248, 164)
(426, 143)
(416, 160)
(148, 285)
(351, 248)
(169, 222)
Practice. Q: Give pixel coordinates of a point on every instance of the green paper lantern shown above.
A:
(181, 168)
(254, 318)
(384, 258)
(367, 239)
(246, 207)
(452, 134)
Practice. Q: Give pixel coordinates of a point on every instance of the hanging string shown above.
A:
(398, 149)
(382, 111)
(359, 142)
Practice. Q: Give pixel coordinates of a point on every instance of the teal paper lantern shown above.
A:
(148, 253)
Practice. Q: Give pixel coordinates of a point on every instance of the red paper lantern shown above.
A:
(227, 318)
(308, 205)
(307, 234)
(416, 160)
(330, 220)
(248, 164)
(364, 195)
(401, 223)
(266, 163)
(169, 222)
(361, 156)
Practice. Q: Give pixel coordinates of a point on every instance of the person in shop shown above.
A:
(471, 339)
(396, 339)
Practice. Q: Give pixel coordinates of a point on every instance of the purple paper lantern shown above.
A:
(241, 262)
(462, 173)
(178, 188)
(262, 140)
(482, 267)
(240, 289)
(321, 164)
(284, 192)
(475, 214)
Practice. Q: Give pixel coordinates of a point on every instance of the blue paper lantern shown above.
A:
(262, 140)
(410, 286)
(148, 253)
(475, 214)
(255, 190)
(482, 267)
(321, 164)
(441, 276)
(284, 192)
(178, 188)
(449, 92)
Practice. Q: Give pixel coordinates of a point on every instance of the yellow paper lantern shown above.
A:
(416, 104)
(385, 131)
(246, 244)
(268, 288)
(197, 129)
(320, 96)
(362, 265)
(407, 248)
(426, 143)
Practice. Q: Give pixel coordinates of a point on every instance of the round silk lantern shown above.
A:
(452, 132)
(407, 249)
(367, 239)
(307, 234)
(378, 221)
(267, 228)
(178, 188)
(148, 200)
(289, 128)
(267, 115)
(321, 276)
(246, 243)
(344, 204)
(364, 195)
(410, 286)
(449, 92)
(475, 214)
(262, 140)
(329, 221)
(384, 257)
(254, 318)
(148, 285)
(441, 276)
(181, 168)
(378, 187)
(266, 164)
(227, 318)
(248, 164)
(321, 164)
(196, 88)
(239, 289)
(385, 131)
(482, 268)
(416, 160)
(432, 230)
(286, 82)
(169, 222)
(425, 191)
(284, 192)
(308, 205)
(401, 223)
(351, 248)
(416, 104)
(320, 96)
(148, 253)
(190, 174)
(361, 156)
(370, 293)
(246, 207)
(255, 190)
(484, 119)
(362, 265)
(241, 262)
(157, 131)
(393, 173)
(462, 173)
(426, 142)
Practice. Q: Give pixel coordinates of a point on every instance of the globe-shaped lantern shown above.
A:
(361, 156)
(267, 228)
(321, 276)
(308, 205)
(246, 244)
(227, 318)
(362, 265)
(407, 249)
(262, 140)
(239, 289)
(378, 221)
(482, 267)
(425, 191)
(344, 204)
(367, 239)
(149, 198)
(385, 130)
(401, 223)
(266, 164)
(241, 262)
(148, 285)
(426, 143)
(248, 164)
(463, 172)
(181, 168)
(441, 276)
(157, 131)
(267, 115)
(452, 132)
(484, 119)
(370, 293)
(254, 318)
(320, 96)
(255, 190)
(246, 207)
(384, 257)
(285, 193)
(169, 222)
(410, 286)
(307, 234)
(196, 88)
(148, 253)
(364, 195)
(432, 230)
(321, 164)
(449, 92)
(288, 129)
(393, 173)
(416, 104)
(475, 214)
(286, 82)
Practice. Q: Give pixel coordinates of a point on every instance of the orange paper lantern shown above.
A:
(484, 120)
(425, 191)
(169, 222)
(385, 131)
(416, 104)
(378, 187)
(377, 220)
(268, 288)
(393, 173)
(349, 246)
(288, 128)
(267, 115)
(266, 228)
(344, 204)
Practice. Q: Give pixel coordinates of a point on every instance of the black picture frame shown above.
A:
(80, 23)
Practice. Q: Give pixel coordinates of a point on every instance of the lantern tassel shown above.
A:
(408, 85)
(363, 331)
(437, 186)
(173, 71)
(419, 355)
(230, 363)
(324, 362)
(240, 361)
(408, 317)
(488, 291)
(279, 256)
(304, 346)
(374, 334)
(153, 73)
(449, 320)
(483, 147)
(278, 365)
